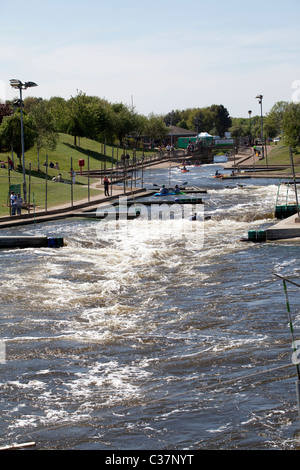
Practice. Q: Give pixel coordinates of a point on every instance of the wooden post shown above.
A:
(46, 191)
(71, 174)
(29, 187)
(88, 178)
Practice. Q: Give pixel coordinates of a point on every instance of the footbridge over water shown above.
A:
(205, 153)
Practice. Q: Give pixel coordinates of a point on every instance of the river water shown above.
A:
(139, 338)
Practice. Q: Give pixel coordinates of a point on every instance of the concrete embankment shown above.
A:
(284, 229)
(247, 165)
(65, 211)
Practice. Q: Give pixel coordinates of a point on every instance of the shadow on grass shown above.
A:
(90, 153)
(42, 175)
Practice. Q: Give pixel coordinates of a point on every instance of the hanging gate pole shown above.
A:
(292, 334)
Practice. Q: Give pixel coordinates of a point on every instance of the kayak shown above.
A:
(170, 193)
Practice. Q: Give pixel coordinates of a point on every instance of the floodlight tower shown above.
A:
(22, 86)
(260, 98)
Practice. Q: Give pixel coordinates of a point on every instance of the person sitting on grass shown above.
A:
(58, 178)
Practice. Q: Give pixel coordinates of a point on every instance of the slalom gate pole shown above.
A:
(292, 334)
(294, 177)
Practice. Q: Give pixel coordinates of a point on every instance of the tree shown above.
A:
(221, 119)
(46, 135)
(81, 117)
(140, 127)
(238, 130)
(125, 120)
(274, 119)
(10, 133)
(58, 109)
(195, 118)
(105, 123)
(5, 110)
(156, 128)
(173, 118)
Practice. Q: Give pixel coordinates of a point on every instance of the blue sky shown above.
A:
(160, 55)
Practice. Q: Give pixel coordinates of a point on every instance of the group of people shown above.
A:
(58, 178)
(125, 158)
(52, 165)
(164, 191)
(16, 203)
(9, 162)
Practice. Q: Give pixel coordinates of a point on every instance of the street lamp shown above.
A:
(250, 112)
(260, 97)
(250, 137)
(22, 86)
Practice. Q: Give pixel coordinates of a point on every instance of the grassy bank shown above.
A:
(38, 192)
(65, 154)
(99, 155)
(280, 155)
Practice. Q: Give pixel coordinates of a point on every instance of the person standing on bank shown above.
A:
(13, 203)
(106, 185)
(19, 202)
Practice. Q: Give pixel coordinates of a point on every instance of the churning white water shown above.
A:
(152, 334)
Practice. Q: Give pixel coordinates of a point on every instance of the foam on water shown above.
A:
(136, 331)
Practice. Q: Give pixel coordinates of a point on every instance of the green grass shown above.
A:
(280, 155)
(57, 193)
(66, 154)
(66, 150)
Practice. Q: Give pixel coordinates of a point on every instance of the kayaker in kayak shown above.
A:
(163, 190)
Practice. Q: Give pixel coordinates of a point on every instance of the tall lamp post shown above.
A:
(250, 137)
(260, 97)
(250, 112)
(22, 86)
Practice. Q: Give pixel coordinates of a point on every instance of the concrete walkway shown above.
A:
(246, 159)
(66, 210)
(253, 167)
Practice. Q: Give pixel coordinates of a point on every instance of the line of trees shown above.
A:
(283, 121)
(115, 123)
(80, 116)
(97, 119)
(213, 119)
